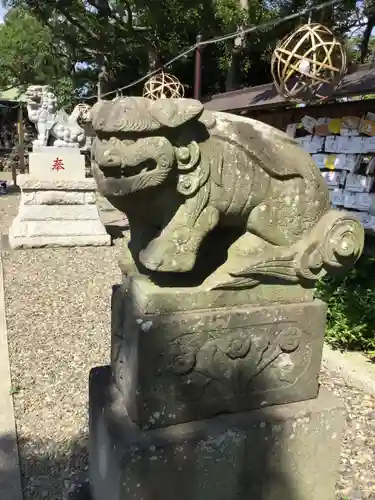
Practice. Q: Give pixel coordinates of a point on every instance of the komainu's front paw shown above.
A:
(167, 256)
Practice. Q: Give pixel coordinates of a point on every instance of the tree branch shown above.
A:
(78, 24)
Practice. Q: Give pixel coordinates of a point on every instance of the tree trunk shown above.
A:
(366, 37)
(231, 82)
(154, 60)
(103, 84)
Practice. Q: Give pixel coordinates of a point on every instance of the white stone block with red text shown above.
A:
(57, 163)
(58, 204)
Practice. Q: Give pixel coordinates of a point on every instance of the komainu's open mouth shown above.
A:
(125, 171)
(125, 165)
(112, 157)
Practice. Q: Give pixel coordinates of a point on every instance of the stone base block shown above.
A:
(288, 452)
(58, 198)
(59, 241)
(57, 213)
(66, 233)
(196, 363)
(28, 183)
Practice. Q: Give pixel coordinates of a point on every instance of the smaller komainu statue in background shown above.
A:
(54, 126)
(180, 173)
(83, 112)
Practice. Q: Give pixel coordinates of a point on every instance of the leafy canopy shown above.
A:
(27, 52)
(66, 42)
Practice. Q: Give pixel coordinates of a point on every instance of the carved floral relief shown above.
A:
(242, 361)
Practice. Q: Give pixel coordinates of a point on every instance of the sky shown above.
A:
(2, 12)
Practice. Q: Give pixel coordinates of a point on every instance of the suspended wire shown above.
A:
(218, 39)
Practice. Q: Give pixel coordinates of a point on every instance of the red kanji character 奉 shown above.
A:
(58, 164)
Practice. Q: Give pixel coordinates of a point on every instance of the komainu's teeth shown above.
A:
(144, 170)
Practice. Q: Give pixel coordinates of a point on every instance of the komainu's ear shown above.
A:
(99, 111)
(175, 112)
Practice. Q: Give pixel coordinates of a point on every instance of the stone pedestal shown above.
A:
(171, 417)
(213, 390)
(286, 452)
(57, 212)
(58, 204)
(186, 361)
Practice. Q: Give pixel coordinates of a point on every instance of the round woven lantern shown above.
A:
(163, 86)
(308, 64)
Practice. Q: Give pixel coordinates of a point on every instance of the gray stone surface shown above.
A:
(287, 452)
(197, 363)
(354, 367)
(153, 299)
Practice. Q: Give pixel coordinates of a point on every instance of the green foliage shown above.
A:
(65, 91)
(351, 304)
(26, 51)
(353, 46)
(127, 34)
(28, 55)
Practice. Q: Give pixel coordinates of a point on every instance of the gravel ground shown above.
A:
(57, 306)
(357, 468)
(8, 210)
(58, 314)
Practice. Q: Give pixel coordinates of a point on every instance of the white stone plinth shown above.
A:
(57, 163)
(56, 149)
(57, 212)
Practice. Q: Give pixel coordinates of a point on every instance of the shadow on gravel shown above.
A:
(12, 190)
(47, 471)
(9, 471)
(116, 232)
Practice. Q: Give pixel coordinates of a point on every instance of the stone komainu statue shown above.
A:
(54, 126)
(181, 173)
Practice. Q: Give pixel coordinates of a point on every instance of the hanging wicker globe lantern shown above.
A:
(163, 86)
(308, 64)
